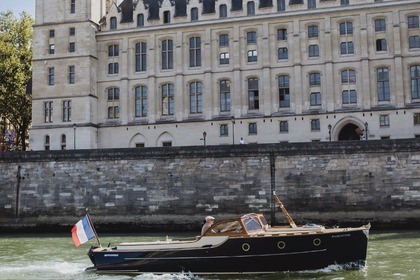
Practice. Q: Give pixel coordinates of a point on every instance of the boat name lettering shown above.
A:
(341, 235)
(111, 255)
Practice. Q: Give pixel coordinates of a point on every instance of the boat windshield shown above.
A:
(252, 224)
(228, 227)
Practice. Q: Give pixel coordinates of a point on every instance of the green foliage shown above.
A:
(15, 72)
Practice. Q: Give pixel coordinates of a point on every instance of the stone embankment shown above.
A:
(173, 188)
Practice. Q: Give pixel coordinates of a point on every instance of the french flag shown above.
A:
(82, 232)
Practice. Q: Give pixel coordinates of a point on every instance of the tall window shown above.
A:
(196, 97)
(415, 81)
(380, 25)
(167, 54)
(281, 5)
(63, 142)
(223, 11)
(195, 51)
(315, 99)
(194, 14)
(72, 75)
(113, 103)
(253, 94)
(383, 84)
(313, 31)
(113, 24)
(72, 47)
(315, 125)
(141, 56)
(166, 17)
(313, 51)
(113, 51)
(349, 96)
(346, 28)
(140, 20)
(140, 101)
(414, 42)
(348, 77)
(51, 79)
(251, 37)
(224, 95)
(252, 56)
(223, 40)
(51, 49)
(48, 112)
(282, 34)
(416, 118)
(167, 99)
(52, 33)
(250, 8)
(413, 22)
(284, 91)
(47, 143)
(283, 53)
(347, 48)
(66, 110)
(73, 6)
(72, 31)
(315, 79)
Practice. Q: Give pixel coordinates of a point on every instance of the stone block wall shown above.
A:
(333, 183)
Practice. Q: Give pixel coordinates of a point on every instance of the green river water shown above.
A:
(391, 255)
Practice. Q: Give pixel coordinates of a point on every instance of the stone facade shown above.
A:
(266, 72)
(343, 183)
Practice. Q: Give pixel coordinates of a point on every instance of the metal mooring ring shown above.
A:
(281, 244)
(246, 247)
(317, 241)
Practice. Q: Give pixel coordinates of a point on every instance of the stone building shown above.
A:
(151, 73)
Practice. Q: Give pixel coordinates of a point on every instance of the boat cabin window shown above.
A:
(227, 227)
(252, 224)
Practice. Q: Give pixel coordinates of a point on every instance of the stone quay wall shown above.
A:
(174, 188)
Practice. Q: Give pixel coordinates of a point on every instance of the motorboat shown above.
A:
(241, 245)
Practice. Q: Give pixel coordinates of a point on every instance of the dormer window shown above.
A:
(166, 17)
(113, 23)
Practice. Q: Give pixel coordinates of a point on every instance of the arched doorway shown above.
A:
(350, 132)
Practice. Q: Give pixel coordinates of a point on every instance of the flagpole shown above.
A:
(91, 224)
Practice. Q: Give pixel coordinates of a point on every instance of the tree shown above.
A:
(15, 73)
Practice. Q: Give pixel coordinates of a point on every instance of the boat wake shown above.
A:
(177, 276)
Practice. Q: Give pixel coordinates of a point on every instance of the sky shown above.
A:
(18, 6)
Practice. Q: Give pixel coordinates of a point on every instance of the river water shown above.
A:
(391, 255)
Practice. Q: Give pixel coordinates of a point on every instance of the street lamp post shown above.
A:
(329, 131)
(366, 130)
(204, 138)
(233, 129)
(74, 136)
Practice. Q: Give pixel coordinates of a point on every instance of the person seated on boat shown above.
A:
(208, 224)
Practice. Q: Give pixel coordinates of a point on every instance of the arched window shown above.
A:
(167, 99)
(196, 97)
(63, 142)
(140, 101)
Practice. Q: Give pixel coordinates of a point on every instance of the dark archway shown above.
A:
(350, 132)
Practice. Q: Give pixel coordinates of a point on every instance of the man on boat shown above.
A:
(208, 224)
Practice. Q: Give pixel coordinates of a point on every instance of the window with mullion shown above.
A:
(315, 79)
(315, 99)
(415, 81)
(195, 51)
(141, 57)
(167, 99)
(283, 53)
(224, 96)
(348, 76)
(346, 28)
(196, 97)
(347, 48)
(349, 97)
(140, 101)
(66, 110)
(383, 84)
(284, 91)
(251, 37)
(413, 22)
(253, 94)
(167, 54)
